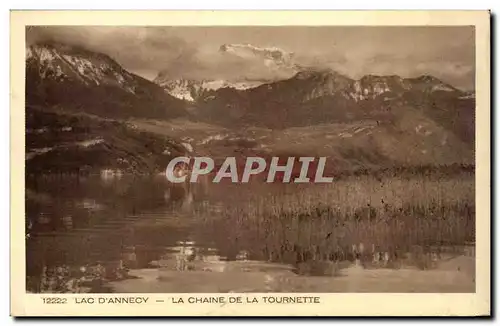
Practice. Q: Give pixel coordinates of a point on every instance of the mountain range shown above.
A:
(376, 119)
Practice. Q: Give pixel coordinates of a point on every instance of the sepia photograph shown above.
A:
(246, 159)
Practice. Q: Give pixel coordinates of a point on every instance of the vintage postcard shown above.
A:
(250, 163)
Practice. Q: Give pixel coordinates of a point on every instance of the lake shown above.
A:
(125, 233)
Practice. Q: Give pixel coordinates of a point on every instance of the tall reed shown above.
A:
(294, 223)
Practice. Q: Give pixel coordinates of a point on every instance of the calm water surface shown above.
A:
(76, 226)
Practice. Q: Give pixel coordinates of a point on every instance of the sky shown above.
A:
(446, 52)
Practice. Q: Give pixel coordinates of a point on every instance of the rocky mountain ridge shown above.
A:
(73, 78)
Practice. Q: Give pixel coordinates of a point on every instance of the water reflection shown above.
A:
(99, 227)
(87, 232)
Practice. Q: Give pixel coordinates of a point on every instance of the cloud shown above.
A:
(136, 48)
(214, 64)
(149, 50)
(193, 52)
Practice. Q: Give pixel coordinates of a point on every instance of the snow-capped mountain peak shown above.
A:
(191, 90)
(73, 78)
(60, 62)
(272, 56)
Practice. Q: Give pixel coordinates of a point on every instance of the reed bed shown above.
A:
(295, 223)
